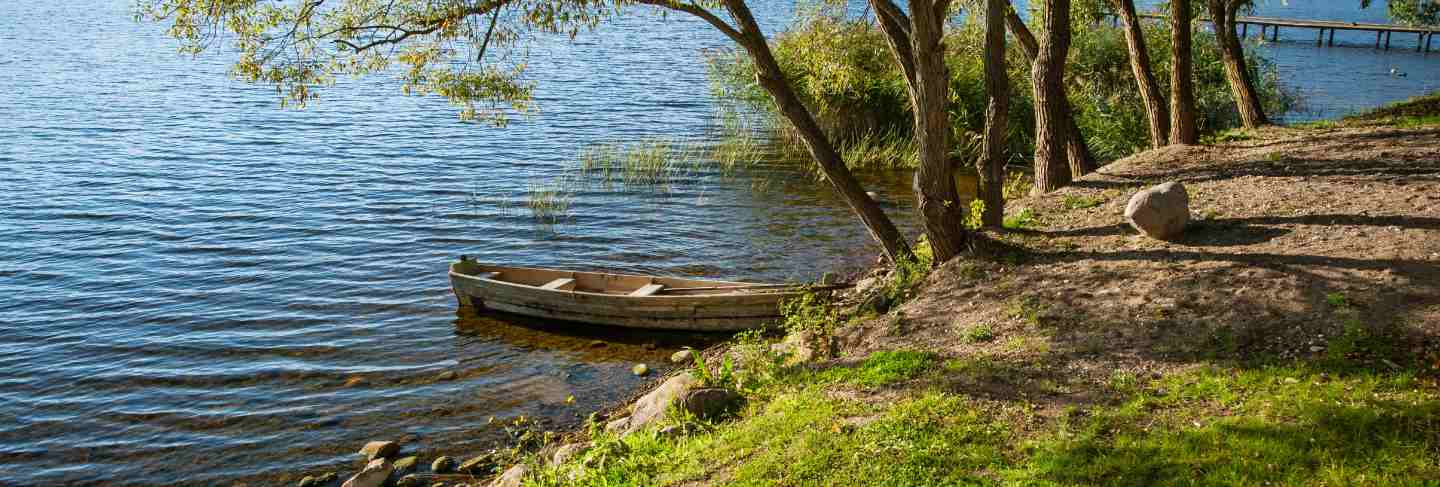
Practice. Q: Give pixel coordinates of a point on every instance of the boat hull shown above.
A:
(724, 307)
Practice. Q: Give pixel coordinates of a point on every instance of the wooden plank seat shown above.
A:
(558, 284)
(647, 290)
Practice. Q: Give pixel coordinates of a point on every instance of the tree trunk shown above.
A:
(1252, 114)
(991, 166)
(1182, 89)
(1051, 169)
(772, 79)
(938, 202)
(1077, 153)
(1155, 109)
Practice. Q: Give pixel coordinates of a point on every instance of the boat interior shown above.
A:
(597, 282)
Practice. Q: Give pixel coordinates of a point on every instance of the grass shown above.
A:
(1074, 202)
(1415, 112)
(549, 202)
(1275, 425)
(1025, 218)
(882, 368)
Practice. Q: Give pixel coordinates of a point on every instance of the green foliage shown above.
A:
(882, 368)
(977, 333)
(467, 52)
(1414, 12)
(1025, 218)
(908, 273)
(725, 376)
(1337, 300)
(841, 68)
(810, 311)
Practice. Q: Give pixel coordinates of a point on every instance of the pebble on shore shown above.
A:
(379, 449)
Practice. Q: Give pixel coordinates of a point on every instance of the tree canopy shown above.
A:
(466, 51)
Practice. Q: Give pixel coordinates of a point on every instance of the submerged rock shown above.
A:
(640, 369)
(477, 465)
(443, 465)
(1160, 212)
(409, 481)
(407, 464)
(379, 449)
(326, 478)
(308, 481)
(374, 475)
(447, 375)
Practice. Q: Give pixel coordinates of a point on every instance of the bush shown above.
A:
(842, 69)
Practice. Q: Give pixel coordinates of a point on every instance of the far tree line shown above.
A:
(462, 50)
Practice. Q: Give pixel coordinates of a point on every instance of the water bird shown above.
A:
(1396, 72)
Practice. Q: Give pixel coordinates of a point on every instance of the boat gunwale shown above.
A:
(780, 290)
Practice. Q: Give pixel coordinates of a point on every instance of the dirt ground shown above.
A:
(1302, 244)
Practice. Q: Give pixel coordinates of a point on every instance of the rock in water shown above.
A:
(326, 478)
(1160, 212)
(447, 375)
(710, 402)
(640, 369)
(478, 465)
(407, 464)
(409, 481)
(512, 477)
(374, 475)
(683, 357)
(443, 465)
(379, 449)
(308, 481)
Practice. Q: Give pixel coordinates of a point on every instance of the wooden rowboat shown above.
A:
(666, 303)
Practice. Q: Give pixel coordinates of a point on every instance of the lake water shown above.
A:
(199, 287)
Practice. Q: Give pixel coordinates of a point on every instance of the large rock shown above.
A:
(512, 477)
(1160, 212)
(710, 402)
(374, 475)
(652, 406)
(379, 449)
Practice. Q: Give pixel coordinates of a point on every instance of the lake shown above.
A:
(201, 287)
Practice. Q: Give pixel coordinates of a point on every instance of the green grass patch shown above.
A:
(1078, 202)
(882, 368)
(1025, 218)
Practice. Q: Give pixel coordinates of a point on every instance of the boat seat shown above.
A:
(489, 275)
(647, 290)
(558, 284)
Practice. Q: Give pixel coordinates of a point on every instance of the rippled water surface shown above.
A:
(199, 287)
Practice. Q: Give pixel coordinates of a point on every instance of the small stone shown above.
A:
(640, 369)
(670, 431)
(447, 375)
(407, 464)
(683, 357)
(872, 195)
(355, 381)
(409, 481)
(1160, 212)
(477, 464)
(380, 449)
(651, 346)
(597, 344)
(326, 478)
(374, 475)
(512, 477)
(1317, 348)
(308, 481)
(443, 465)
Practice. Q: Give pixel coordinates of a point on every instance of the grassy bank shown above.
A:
(1291, 337)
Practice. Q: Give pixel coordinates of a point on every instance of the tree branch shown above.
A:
(700, 12)
(896, 27)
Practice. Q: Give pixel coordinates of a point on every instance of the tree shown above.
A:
(1182, 88)
(1155, 110)
(917, 42)
(1077, 153)
(1051, 169)
(458, 49)
(991, 165)
(1247, 102)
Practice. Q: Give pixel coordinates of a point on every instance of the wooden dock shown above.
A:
(1272, 26)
